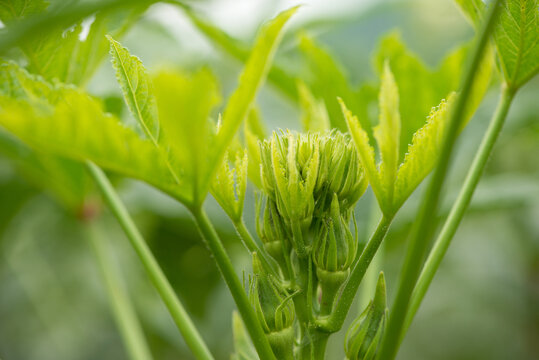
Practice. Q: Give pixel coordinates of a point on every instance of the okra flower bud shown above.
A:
(365, 334)
(274, 310)
(273, 233)
(289, 171)
(333, 254)
(340, 173)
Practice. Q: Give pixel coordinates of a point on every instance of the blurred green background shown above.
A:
(483, 304)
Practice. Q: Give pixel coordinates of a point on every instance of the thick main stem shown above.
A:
(461, 204)
(236, 289)
(157, 277)
(122, 308)
(424, 228)
(336, 320)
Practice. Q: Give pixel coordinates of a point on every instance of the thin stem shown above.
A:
(249, 242)
(158, 278)
(461, 204)
(423, 226)
(336, 320)
(236, 289)
(122, 308)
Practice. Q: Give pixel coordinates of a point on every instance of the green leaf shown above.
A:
(422, 153)
(420, 88)
(136, 87)
(65, 180)
(12, 10)
(366, 154)
(330, 82)
(185, 103)
(472, 9)
(230, 184)
(517, 40)
(314, 115)
(254, 132)
(388, 131)
(243, 348)
(65, 121)
(78, 58)
(240, 51)
(251, 79)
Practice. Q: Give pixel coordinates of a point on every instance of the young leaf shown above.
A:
(254, 132)
(366, 154)
(388, 131)
(64, 179)
(250, 81)
(12, 10)
(330, 82)
(65, 121)
(314, 114)
(185, 103)
(136, 87)
(422, 153)
(230, 184)
(420, 88)
(517, 40)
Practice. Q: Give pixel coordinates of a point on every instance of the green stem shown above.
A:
(236, 289)
(122, 308)
(336, 320)
(461, 204)
(320, 341)
(423, 226)
(158, 278)
(251, 245)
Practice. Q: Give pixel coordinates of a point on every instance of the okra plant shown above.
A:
(308, 257)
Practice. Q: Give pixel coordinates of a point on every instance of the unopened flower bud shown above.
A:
(273, 233)
(365, 334)
(334, 252)
(289, 171)
(274, 310)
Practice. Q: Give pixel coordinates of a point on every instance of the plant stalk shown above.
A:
(252, 246)
(423, 227)
(122, 308)
(158, 278)
(461, 204)
(336, 320)
(236, 289)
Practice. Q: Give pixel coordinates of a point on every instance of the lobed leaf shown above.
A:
(330, 82)
(388, 131)
(517, 40)
(136, 88)
(65, 121)
(314, 116)
(366, 154)
(251, 79)
(422, 153)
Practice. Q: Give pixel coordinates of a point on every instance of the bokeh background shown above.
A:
(483, 304)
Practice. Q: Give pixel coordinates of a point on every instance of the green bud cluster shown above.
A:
(365, 334)
(310, 184)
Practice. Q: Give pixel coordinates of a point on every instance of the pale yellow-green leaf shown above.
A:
(136, 88)
(185, 103)
(314, 116)
(65, 121)
(252, 77)
(230, 184)
(423, 152)
(366, 154)
(387, 132)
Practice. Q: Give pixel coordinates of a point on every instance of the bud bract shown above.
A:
(274, 310)
(333, 254)
(365, 334)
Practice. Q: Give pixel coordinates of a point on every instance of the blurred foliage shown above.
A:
(483, 303)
